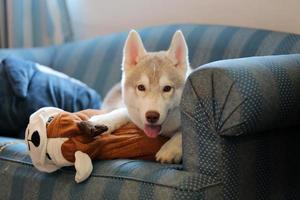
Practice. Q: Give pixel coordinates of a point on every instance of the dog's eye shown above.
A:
(141, 88)
(167, 88)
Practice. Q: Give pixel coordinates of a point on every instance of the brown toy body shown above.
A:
(127, 142)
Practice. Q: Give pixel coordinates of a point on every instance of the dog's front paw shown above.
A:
(89, 128)
(104, 120)
(169, 154)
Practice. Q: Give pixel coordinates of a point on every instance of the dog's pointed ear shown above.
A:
(178, 49)
(133, 49)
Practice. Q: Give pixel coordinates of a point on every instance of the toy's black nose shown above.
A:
(152, 116)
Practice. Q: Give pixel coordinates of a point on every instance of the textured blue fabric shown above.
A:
(27, 86)
(19, 74)
(41, 55)
(206, 43)
(97, 62)
(249, 95)
(115, 179)
(241, 124)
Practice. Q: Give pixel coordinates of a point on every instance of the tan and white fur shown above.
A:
(150, 93)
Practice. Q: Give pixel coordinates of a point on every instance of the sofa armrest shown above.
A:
(247, 95)
(240, 120)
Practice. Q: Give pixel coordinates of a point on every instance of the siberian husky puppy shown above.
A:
(149, 94)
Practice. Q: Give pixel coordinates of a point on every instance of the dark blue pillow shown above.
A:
(27, 86)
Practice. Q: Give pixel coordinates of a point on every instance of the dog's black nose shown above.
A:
(152, 116)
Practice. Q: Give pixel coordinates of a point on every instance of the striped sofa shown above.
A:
(240, 120)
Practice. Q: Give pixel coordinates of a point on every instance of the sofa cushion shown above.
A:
(110, 179)
(27, 86)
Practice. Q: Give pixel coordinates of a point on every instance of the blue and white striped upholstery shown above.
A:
(119, 179)
(250, 155)
(97, 62)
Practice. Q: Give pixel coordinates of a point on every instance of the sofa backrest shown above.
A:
(97, 62)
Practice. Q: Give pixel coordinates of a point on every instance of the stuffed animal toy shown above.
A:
(56, 138)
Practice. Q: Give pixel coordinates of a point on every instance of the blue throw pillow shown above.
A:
(27, 86)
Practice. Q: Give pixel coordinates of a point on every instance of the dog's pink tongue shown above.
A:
(152, 131)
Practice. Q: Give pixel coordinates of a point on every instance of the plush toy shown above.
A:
(55, 138)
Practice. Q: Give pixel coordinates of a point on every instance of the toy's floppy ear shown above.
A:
(133, 49)
(19, 74)
(178, 49)
(83, 165)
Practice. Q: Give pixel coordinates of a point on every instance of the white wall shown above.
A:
(95, 17)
